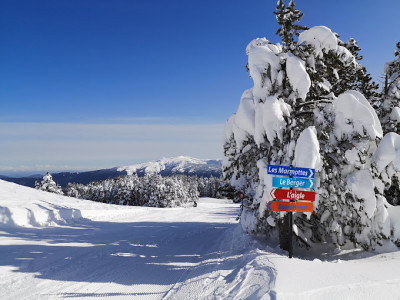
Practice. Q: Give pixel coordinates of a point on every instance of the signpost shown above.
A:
(290, 206)
(292, 195)
(290, 171)
(296, 178)
(293, 182)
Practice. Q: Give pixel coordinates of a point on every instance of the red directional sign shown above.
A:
(292, 195)
(290, 206)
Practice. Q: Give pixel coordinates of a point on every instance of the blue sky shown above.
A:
(93, 83)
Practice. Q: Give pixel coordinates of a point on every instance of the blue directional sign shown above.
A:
(291, 171)
(287, 182)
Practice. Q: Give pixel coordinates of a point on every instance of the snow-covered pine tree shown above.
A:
(72, 190)
(288, 19)
(292, 117)
(389, 113)
(49, 185)
(354, 76)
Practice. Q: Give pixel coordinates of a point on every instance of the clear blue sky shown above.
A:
(123, 67)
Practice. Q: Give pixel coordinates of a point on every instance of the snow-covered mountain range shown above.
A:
(165, 167)
(177, 165)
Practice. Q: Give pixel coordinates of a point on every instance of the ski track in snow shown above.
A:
(117, 252)
(135, 253)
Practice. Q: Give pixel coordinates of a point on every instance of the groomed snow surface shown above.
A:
(54, 247)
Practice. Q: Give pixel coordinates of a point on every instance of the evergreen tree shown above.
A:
(73, 190)
(297, 103)
(389, 111)
(353, 76)
(152, 190)
(49, 185)
(287, 18)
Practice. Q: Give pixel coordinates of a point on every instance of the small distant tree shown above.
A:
(48, 185)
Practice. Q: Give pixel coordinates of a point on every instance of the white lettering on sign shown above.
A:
(293, 195)
(293, 182)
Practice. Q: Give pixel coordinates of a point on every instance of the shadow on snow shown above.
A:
(155, 253)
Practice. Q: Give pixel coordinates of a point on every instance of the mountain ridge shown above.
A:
(165, 167)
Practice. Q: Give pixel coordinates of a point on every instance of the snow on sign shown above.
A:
(292, 195)
(290, 206)
(286, 182)
(291, 171)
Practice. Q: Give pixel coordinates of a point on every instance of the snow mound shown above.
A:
(297, 74)
(395, 114)
(307, 150)
(245, 115)
(270, 119)
(263, 57)
(27, 207)
(352, 105)
(321, 38)
(257, 119)
(388, 152)
(345, 55)
(33, 208)
(362, 185)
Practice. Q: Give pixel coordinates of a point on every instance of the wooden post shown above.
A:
(290, 234)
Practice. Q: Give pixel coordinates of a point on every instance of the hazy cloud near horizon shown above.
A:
(68, 146)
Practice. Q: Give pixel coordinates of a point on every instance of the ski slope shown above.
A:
(55, 247)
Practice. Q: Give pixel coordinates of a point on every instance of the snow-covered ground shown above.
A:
(55, 247)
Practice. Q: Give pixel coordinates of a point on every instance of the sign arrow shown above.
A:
(290, 206)
(295, 195)
(286, 182)
(290, 171)
(273, 194)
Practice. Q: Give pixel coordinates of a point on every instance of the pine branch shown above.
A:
(312, 102)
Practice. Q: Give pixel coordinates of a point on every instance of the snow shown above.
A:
(306, 154)
(341, 277)
(265, 185)
(119, 252)
(263, 57)
(297, 74)
(388, 152)
(383, 218)
(394, 214)
(321, 38)
(177, 164)
(362, 186)
(345, 55)
(352, 105)
(270, 119)
(395, 114)
(245, 114)
(257, 119)
(228, 129)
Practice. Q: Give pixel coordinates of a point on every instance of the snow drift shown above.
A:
(33, 208)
